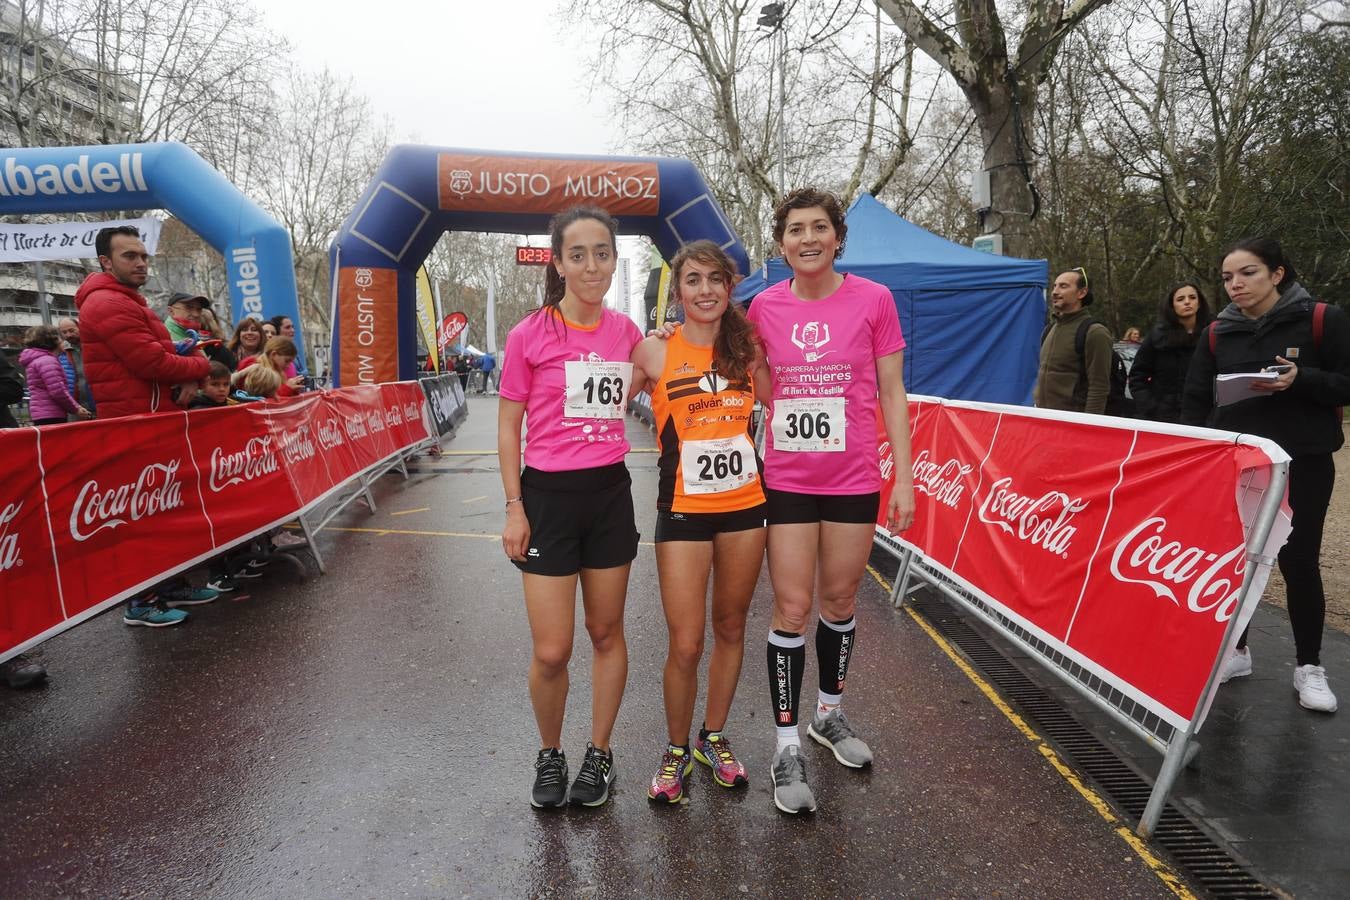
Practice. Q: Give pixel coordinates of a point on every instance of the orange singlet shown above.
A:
(708, 462)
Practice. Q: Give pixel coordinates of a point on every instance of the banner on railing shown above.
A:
(445, 402)
(92, 512)
(1121, 546)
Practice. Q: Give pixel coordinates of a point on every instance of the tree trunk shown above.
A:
(1010, 196)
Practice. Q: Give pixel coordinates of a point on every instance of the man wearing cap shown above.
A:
(190, 319)
(1065, 379)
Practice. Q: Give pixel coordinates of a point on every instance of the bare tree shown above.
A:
(970, 41)
(698, 79)
(323, 145)
(1184, 110)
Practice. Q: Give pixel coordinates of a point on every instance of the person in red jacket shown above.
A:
(130, 361)
(133, 367)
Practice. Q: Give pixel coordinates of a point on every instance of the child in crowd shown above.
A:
(262, 381)
(278, 355)
(215, 388)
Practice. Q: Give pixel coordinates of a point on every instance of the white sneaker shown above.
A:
(1238, 663)
(1313, 691)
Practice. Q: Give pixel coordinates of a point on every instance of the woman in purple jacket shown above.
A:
(49, 399)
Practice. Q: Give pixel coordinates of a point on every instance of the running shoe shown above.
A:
(714, 751)
(20, 671)
(594, 778)
(222, 584)
(791, 793)
(550, 779)
(835, 732)
(284, 540)
(187, 596)
(668, 782)
(1313, 691)
(152, 616)
(1236, 665)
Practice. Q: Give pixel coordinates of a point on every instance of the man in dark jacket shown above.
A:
(130, 361)
(1064, 380)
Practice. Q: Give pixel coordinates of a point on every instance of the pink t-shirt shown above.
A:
(822, 355)
(574, 383)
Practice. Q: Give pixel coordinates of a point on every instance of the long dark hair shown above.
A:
(1177, 336)
(1269, 251)
(734, 348)
(554, 286)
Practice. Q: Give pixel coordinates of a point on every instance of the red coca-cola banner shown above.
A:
(93, 512)
(1121, 544)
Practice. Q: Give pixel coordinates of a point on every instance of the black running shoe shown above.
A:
(550, 779)
(597, 773)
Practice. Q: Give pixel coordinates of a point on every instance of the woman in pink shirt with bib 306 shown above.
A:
(833, 355)
(569, 513)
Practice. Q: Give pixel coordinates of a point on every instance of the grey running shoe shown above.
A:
(550, 779)
(594, 778)
(835, 732)
(791, 793)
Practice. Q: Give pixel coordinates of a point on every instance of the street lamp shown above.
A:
(774, 16)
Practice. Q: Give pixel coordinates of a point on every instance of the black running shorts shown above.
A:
(579, 519)
(791, 508)
(673, 526)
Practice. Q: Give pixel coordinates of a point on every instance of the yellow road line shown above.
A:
(475, 499)
(404, 512)
(1159, 868)
(383, 531)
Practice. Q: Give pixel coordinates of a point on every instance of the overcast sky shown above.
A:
(486, 75)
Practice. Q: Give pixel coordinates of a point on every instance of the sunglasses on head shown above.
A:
(1081, 271)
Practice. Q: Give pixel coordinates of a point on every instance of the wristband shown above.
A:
(511, 500)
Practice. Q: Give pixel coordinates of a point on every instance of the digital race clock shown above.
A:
(534, 256)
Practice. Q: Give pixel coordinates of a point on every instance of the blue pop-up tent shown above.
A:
(972, 320)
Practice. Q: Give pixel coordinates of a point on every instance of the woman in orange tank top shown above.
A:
(710, 506)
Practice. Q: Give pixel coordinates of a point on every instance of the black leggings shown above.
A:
(1311, 479)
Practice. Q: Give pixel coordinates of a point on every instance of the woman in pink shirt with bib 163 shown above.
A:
(569, 511)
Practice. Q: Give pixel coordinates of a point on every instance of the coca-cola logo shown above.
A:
(330, 434)
(9, 542)
(942, 481)
(411, 411)
(156, 490)
(887, 460)
(393, 416)
(296, 446)
(355, 426)
(374, 422)
(254, 460)
(1145, 556)
(1040, 521)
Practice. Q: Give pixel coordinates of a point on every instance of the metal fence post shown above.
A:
(1176, 748)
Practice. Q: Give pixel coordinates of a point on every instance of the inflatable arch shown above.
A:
(421, 192)
(257, 250)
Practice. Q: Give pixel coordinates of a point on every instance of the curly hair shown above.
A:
(42, 337)
(807, 198)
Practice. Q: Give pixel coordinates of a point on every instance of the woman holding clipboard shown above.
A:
(1274, 325)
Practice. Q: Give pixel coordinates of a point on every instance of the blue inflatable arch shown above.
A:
(419, 193)
(169, 176)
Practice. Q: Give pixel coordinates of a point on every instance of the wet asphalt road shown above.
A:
(368, 734)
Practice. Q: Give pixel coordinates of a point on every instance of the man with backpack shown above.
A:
(1077, 361)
